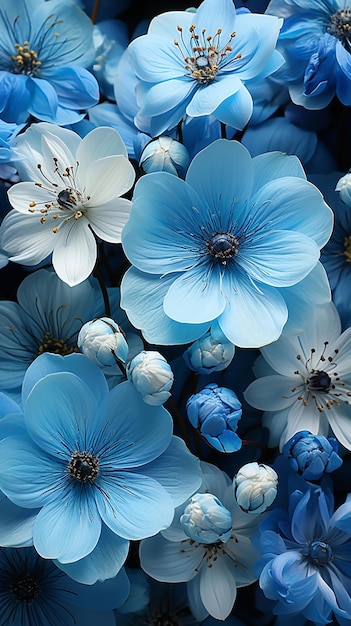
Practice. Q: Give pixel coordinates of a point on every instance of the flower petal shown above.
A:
(74, 254)
(218, 586)
(108, 220)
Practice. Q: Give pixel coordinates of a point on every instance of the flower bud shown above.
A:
(312, 455)
(206, 520)
(103, 342)
(165, 154)
(344, 188)
(151, 375)
(213, 352)
(255, 487)
(215, 412)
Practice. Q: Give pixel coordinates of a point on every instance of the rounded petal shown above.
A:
(25, 239)
(272, 393)
(236, 110)
(170, 561)
(105, 179)
(68, 528)
(208, 98)
(74, 254)
(108, 220)
(99, 143)
(218, 587)
(16, 524)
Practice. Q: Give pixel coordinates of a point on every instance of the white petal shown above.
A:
(100, 142)
(218, 587)
(74, 254)
(105, 179)
(25, 239)
(23, 195)
(108, 219)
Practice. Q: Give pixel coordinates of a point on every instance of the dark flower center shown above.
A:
(320, 381)
(347, 249)
(25, 60)
(340, 26)
(223, 246)
(83, 467)
(320, 553)
(25, 589)
(48, 343)
(163, 619)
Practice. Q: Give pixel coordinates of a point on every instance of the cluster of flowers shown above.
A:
(175, 313)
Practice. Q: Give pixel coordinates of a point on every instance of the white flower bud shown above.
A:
(165, 154)
(255, 487)
(206, 519)
(344, 188)
(103, 342)
(151, 375)
(213, 352)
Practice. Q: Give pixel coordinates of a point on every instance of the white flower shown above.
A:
(151, 375)
(305, 381)
(103, 342)
(71, 191)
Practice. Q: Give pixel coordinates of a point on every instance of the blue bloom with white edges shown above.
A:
(198, 64)
(205, 519)
(151, 375)
(226, 244)
(305, 563)
(45, 50)
(102, 341)
(210, 353)
(95, 462)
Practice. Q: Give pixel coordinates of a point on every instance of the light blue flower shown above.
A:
(165, 154)
(315, 40)
(205, 519)
(233, 243)
(33, 591)
(103, 341)
(197, 64)
(215, 412)
(305, 562)
(45, 50)
(95, 462)
(312, 455)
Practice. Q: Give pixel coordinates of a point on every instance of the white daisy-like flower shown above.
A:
(70, 194)
(305, 380)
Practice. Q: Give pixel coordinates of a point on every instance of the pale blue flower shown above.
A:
(165, 154)
(205, 519)
(102, 341)
(198, 64)
(45, 50)
(102, 467)
(232, 243)
(210, 353)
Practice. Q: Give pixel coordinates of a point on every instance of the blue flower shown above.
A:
(315, 40)
(305, 563)
(95, 462)
(45, 48)
(197, 64)
(33, 591)
(229, 244)
(312, 455)
(215, 411)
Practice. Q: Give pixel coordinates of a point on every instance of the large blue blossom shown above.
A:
(44, 52)
(315, 40)
(198, 64)
(228, 243)
(305, 563)
(99, 465)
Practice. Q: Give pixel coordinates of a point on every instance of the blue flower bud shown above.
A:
(151, 375)
(165, 154)
(103, 342)
(206, 520)
(312, 455)
(213, 352)
(344, 188)
(215, 412)
(255, 487)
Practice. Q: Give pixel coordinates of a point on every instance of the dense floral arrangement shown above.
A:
(175, 313)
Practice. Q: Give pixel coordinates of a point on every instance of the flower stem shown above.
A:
(95, 11)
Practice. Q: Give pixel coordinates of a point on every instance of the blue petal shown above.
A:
(68, 528)
(104, 562)
(236, 110)
(142, 298)
(43, 99)
(16, 524)
(209, 97)
(75, 87)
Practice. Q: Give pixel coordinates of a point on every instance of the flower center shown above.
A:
(25, 60)
(320, 381)
(25, 589)
(48, 343)
(319, 553)
(223, 246)
(347, 249)
(83, 467)
(340, 26)
(162, 619)
(203, 54)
